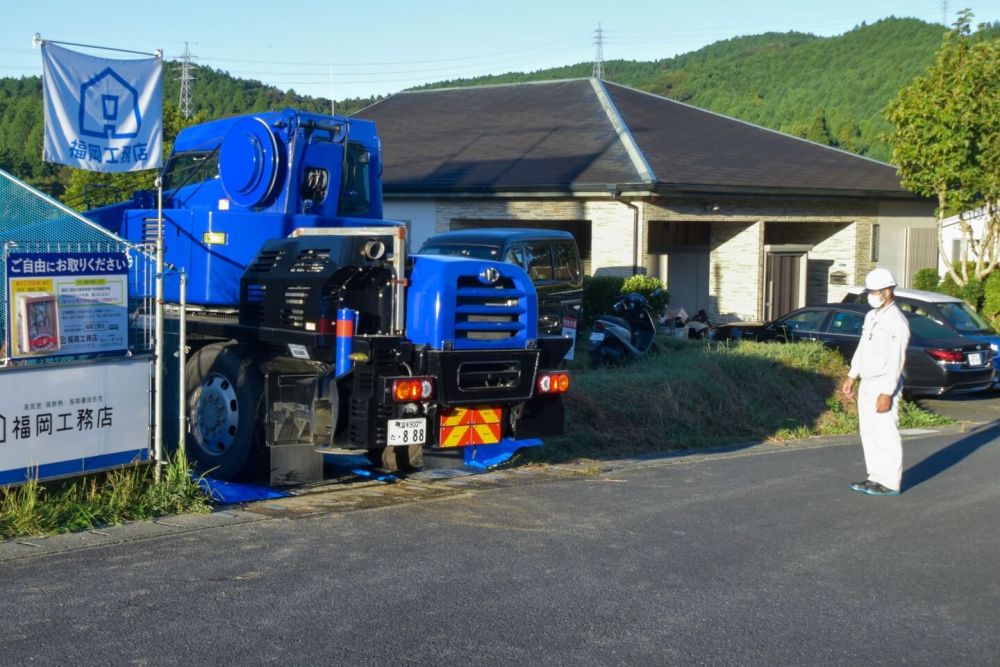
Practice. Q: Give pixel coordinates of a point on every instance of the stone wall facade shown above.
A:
(839, 232)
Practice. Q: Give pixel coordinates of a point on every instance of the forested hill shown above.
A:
(827, 89)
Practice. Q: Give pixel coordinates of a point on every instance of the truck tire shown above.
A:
(397, 458)
(225, 399)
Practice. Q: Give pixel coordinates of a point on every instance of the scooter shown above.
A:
(625, 336)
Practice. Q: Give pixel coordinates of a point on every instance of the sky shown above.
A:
(362, 49)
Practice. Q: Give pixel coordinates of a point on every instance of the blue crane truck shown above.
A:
(310, 330)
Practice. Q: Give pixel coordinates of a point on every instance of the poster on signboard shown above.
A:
(67, 303)
(67, 419)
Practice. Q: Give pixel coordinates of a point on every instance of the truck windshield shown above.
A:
(192, 167)
(964, 318)
(476, 251)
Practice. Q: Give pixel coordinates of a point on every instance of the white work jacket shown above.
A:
(881, 353)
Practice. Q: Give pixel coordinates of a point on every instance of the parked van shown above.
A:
(549, 257)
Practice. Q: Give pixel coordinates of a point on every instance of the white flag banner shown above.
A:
(102, 114)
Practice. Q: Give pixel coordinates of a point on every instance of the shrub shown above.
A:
(972, 293)
(927, 280)
(646, 286)
(991, 299)
(599, 294)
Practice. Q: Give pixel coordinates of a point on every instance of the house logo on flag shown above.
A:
(109, 98)
(102, 114)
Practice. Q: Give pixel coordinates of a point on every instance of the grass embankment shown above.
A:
(689, 395)
(81, 503)
(696, 395)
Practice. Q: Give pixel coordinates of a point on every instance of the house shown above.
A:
(745, 222)
(956, 234)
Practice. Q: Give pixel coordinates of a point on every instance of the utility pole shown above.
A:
(186, 79)
(598, 72)
(333, 111)
(944, 13)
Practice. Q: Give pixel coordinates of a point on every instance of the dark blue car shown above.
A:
(937, 361)
(550, 258)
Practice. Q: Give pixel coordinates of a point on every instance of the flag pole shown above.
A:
(38, 41)
(158, 372)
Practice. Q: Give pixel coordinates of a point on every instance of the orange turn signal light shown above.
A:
(409, 390)
(553, 382)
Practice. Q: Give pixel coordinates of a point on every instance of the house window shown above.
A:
(875, 241)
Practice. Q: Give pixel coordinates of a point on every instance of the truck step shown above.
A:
(339, 450)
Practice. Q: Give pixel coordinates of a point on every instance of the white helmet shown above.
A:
(879, 279)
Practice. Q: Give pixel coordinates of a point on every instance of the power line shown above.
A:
(398, 62)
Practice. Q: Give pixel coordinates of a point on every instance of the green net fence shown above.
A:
(32, 222)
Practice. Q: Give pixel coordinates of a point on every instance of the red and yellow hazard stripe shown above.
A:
(471, 426)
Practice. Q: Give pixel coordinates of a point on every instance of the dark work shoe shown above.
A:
(876, 489)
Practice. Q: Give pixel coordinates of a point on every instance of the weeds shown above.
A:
(694, 395)
(39, 508)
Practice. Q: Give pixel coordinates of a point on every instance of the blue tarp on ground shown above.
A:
(482, 457)
(228, 493)
(478, 457)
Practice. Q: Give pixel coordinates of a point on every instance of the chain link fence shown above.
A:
(32, 222)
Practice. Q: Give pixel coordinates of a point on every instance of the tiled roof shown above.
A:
(583, 134)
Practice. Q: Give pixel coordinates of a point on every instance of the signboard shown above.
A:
(67, 303)
(569, 329)
(71, 419)
(102, 114)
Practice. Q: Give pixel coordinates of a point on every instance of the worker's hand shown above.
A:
(883, 403)
(847, 389)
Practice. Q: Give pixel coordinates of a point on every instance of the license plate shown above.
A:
(407, 432)
(596, 337)
(975, 358)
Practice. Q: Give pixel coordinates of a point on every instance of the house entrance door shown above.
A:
(784, 283)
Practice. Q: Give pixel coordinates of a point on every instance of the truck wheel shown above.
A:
(397, 458)
(225, 398)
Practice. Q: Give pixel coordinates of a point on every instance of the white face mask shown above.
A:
(875, 300)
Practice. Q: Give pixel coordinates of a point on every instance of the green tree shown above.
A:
(87, 189)
(946, 142)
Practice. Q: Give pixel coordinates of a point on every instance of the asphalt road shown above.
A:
(749, 556)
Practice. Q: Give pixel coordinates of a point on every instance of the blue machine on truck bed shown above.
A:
(311, 330)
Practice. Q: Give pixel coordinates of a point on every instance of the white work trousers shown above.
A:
(880, 437)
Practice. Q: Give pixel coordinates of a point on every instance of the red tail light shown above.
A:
(600, 326)
(947, 356)
(409, 390)
(553, 382)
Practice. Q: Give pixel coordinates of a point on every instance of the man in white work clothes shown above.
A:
(878, 361)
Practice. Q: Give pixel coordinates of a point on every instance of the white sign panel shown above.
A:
(69, 420)
(102, 114)
(67, 303)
